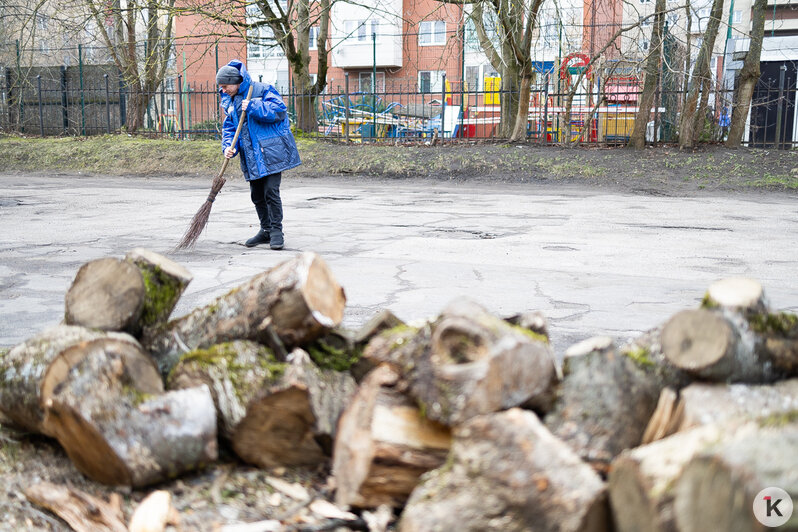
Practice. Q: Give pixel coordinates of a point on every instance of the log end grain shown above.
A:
(694, 340)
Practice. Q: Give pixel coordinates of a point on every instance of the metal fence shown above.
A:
(65, 101)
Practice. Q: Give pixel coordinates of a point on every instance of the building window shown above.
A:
(738, 16)
(472, 78)
(313, 36)
(645, 21)
(673, 18)
(432, 33)
(364, 82)
(361, 30)
(644, 44)
(430, 81)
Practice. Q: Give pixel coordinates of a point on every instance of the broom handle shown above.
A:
(238, 130)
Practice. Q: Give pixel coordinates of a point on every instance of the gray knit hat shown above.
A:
(228, 75)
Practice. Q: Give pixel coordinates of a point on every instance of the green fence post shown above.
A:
(82, 100)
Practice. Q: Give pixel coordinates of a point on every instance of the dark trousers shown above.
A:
(265, 194)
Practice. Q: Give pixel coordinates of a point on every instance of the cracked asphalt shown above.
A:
(594, 262)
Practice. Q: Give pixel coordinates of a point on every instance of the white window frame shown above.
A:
(313, 38)
(357, 30)
(435, 81)
(432, 33)
(364, 82)
(737, 17)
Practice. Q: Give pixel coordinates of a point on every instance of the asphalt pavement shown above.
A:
(595, 263)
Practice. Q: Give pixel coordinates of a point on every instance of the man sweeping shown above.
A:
(265, 142)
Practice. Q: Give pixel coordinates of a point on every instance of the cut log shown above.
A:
(273, 413)
(469, 362)
(384, 444)
(118, 429)
(291, 304)
(605, 400)
(641, 480)
(83, 512)
(703, 403)
(717, 489)
(506, 471)
(335, 350)
(154, 513)
(164, 283)
(734, 337)
(107, 294)
(22, 370)
(533, 321)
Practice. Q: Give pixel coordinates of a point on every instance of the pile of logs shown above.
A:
(465, 421)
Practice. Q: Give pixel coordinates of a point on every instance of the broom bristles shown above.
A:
(196, 227)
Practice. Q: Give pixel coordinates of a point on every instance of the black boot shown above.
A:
(261, 238)
(276, 239)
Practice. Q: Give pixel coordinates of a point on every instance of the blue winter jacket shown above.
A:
(271, 144)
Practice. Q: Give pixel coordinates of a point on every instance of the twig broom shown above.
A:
(200, 220)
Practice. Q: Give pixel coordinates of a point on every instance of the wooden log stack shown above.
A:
(465, 421)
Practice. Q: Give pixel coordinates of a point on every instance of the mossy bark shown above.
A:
(119, 429)
(23, 368)
(286, 306)
(272, 413)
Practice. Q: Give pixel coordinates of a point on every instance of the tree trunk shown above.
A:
(510, 80)
(306, 119)
(273, 413)
(469, 362)
(700, 404)
(23, 368)
(522, 116)
(107, 294)
(291, 304)
(717, 488)
(107, 412)
(701, 74)
(605, 400)
(638, 138)
(641, 480)
(748, 77)
(505, 471)
(384, 444)
(164, 283)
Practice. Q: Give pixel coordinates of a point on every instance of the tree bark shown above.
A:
(23, 368)
(748, 77)
(164, 283)
(469, 362)
(522, 116)
(605, 400)
(108, 414)
(691, 118)
(273, 413)
(384, 444)
(290, 304)
(652, 77)
(717, 488)
(505, 471)
(107, 294)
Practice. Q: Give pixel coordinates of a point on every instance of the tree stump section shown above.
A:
(469, 362)
(164, 283)
(22, 371)
(384, 444)
(605, 400)
(107, 412)
(716, 489)
(83, 512)
(641, 480)
(733, 337)
(506, 471)
(286, 306)
(378, 324)
(107, 294)
(273, 413)
(703, 403)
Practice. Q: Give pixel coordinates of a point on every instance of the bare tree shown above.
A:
(652, 78)
(692, 118)
(290, 23)
(748, 77)
(139, 39)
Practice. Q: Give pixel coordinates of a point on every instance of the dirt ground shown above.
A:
(232, 492)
